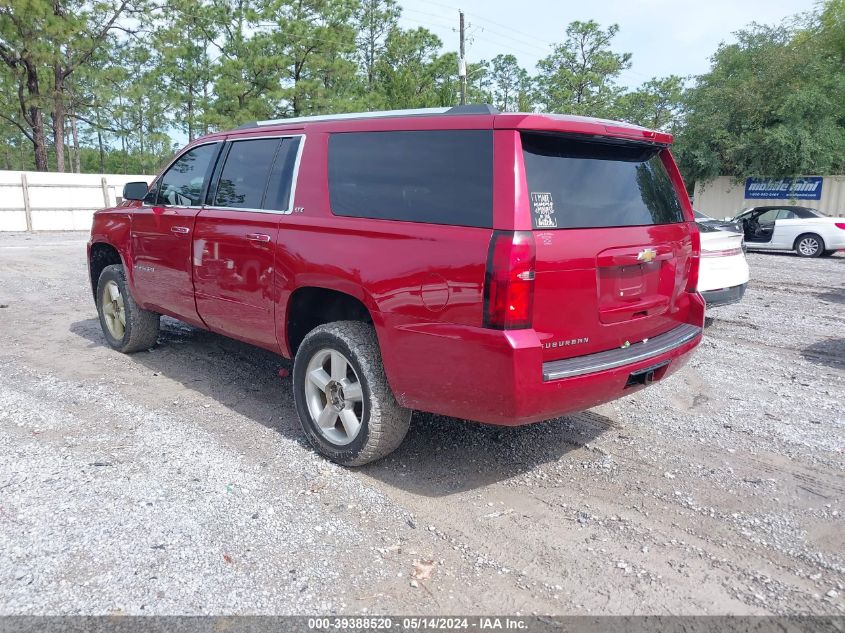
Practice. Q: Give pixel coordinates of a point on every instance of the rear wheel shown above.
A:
(344, 403)
(127, 327)
(809, 245)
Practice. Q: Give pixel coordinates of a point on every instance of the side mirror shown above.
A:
(135, 190)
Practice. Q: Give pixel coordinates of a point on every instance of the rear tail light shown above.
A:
(695, 258)
(509, 281)
(840, 225)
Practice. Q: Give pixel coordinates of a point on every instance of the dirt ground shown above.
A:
(177, 480)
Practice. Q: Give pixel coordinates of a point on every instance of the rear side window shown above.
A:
(277, 197)
(257, 174)
(438, 177)
(575, 183)
(245, 173)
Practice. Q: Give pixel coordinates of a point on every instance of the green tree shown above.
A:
(479, 82)
(773, 104)
(26, 53)
(140, 115)
(78, 29)
(831, 28)
(183, 44)
(410, 73)
(657, 104)
(580, 75)
(316, 41)
(43, 42)
(248, 71)
(374, 20)
(511, 85)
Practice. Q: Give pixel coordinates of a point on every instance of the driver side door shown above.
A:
(785, 232)
(161, 234)
(759, 228)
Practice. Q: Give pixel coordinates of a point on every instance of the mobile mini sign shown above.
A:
(809, 188)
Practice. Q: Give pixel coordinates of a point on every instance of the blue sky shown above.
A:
(665, 36)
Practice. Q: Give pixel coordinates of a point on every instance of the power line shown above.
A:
(509, 28)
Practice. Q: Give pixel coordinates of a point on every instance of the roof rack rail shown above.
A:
(378, 114)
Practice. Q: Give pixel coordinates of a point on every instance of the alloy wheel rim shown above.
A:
(808, 246)
(334, 396)
(114, 310)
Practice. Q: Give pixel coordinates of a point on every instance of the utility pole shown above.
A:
(462, 64)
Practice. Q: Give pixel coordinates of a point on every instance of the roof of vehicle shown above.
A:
(471, 116)
(801, 212)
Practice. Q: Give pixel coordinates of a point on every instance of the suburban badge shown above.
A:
(566, 343)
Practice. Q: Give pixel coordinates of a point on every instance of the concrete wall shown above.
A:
(44, 201)
(724, 197)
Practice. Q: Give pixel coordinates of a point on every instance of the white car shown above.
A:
(723, 274)
(788, 228)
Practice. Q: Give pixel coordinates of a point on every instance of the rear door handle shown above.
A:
(258, 237)
(181, 230)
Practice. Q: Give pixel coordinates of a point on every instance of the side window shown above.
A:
(245, 173)
(182, 184)
(438, 177)
(281, 176)
(768, 217)
(786, 214)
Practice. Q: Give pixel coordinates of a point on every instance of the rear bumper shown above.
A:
(724, 296)
(498, 377)
(718, 273)
(836, 242)
(623, 356)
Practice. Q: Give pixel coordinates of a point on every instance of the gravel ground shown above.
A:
(177, 480)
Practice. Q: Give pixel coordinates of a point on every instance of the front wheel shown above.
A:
(344, 403)
(809, 245)
(127, 327)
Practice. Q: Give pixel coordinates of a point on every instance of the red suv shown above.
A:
(503, 268)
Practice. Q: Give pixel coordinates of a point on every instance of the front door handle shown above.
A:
(258, 237)
(181, 230)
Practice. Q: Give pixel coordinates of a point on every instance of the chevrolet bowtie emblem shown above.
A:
(646, 255)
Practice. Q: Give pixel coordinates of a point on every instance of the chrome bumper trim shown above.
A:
(613, 358)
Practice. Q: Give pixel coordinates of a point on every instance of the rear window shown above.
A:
(438, 177)
(575, 183)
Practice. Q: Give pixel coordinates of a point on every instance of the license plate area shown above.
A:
(634, 282)
(648, 375)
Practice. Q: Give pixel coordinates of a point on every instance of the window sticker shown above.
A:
(544, 210)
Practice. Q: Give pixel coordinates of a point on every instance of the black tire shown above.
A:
(141, 329)
(809, 245)
(383, 423)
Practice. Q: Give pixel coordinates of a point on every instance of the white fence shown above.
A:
(45, 201)
(724, 197)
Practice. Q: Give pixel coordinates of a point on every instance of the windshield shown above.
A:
(700, 216)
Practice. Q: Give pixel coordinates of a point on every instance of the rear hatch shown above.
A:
(613, 248)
